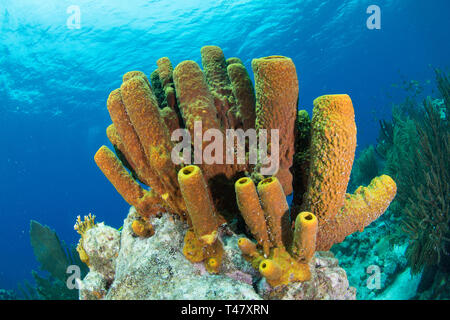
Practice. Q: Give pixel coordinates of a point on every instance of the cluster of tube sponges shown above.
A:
(280, 259)
(222, 97)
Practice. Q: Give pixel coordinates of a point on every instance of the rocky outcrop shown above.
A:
(155, 268)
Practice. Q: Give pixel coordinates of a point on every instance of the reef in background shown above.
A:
(7, 295)
(411, 243)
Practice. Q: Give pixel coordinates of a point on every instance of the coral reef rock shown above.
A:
(155, 268)
(101, 244)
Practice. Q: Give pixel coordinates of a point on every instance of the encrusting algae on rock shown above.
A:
(207, 197)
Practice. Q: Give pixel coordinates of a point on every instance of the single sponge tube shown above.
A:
(276, 90)
(146, 203)
(247, 247)
(305, 233)
(198, 203)
(250, 208)
(276, 210)
(244, 93)
(132, 147)
(333, 143)
(360, 209)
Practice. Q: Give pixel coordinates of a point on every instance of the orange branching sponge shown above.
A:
(170, 118)
(248, 203)
(305, 234)
(227, 104)
(333, 143)
(276, 87)
(121, 150)
(198, 203)
(131, 74)
(144, 119)
(113, 136)
(195, 100)
(360, 209)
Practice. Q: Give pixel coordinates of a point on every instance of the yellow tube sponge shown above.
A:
(214, 254)
(305, 234)
(193, 248)
(276, 87)
(276, 210)
(250, 252)
(196, 251)
(131, 74)
(244, 93)
(215, 70)
(132, 147)
(281, 269)
(114, 137)
(247, 247)
(270, 269)
(360, 209)
(196, 103)
(142, 109)
(165, 72)
(233, 60)
(170, 119)
(333, 143)
(146, 203)
(250, 208)
(198, 203)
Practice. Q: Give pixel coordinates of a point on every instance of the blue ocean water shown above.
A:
(55, 81)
